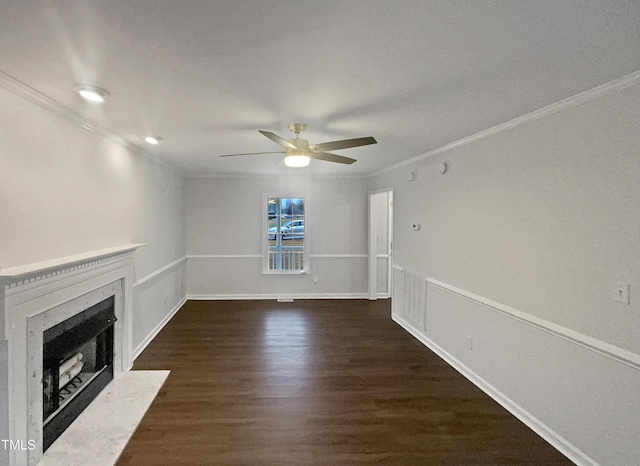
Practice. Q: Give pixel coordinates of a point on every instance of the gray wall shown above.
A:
(224, 221)
(544, 219)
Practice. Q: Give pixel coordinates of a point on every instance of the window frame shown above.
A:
(306, 269)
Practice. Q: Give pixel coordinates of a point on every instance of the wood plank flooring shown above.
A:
(315, 382)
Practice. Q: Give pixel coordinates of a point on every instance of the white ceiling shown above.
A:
(415, 74)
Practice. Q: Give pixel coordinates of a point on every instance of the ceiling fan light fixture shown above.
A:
(91, 93)
(297, 160)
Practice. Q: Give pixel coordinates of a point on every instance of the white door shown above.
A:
(380, 243)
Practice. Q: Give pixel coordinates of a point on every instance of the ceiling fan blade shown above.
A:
(252, 153)
(344, 144)
(330, 157)
(277, 139)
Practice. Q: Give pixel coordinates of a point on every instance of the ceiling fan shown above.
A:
(297, 152)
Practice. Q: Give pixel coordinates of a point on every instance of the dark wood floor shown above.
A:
(315, 382)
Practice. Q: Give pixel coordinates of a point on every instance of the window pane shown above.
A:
(286, 233)
(287, 206)
(297, 206)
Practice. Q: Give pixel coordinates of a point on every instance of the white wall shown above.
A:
(543, 218)
(224, 233)
(65, 190)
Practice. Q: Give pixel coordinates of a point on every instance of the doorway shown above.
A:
(380, 243)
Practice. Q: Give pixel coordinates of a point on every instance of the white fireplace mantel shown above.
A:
(34, 297)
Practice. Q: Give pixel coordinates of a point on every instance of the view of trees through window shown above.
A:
(285, 233)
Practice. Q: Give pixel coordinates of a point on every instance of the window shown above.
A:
(286, 237)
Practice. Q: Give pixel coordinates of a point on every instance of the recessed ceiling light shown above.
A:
(92, 93)
(155, 140)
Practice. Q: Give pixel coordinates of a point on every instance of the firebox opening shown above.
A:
(77, 365)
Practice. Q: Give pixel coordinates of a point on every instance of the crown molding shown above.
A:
(573, 101)
(19, 88)
(30, 94)
(239, 176)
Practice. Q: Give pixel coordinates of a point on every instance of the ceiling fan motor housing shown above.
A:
(301, 144)
(297, 128)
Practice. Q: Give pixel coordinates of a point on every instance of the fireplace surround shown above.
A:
(35, 301)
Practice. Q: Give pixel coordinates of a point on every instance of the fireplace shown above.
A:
(50, 314)
(77, 365)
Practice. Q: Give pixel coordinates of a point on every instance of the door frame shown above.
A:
(373, 244)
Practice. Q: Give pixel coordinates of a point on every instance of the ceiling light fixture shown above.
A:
(92, 93)
(296, 159)
(155, 140)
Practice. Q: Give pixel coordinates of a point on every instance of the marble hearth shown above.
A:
(34, 298)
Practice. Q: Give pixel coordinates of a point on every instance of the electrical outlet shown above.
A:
(315, 280)
(621, 293)
(469, 342)
(415, 226)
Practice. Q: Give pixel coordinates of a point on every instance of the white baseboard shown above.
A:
(219, 297)
(140, 348)
(562, 445)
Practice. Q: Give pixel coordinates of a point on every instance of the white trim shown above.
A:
(578, 99)
(215, 297)
(149, 338)
(338, 256)
(158, 272)
(223, 256)
(390, 246)
(234, 176)
(381, 190)
(372, 247)
(548, 434)
(258, 256)
(19, 88)
(26, 92)
(614, 352)
(607, 349)
(15, 276)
